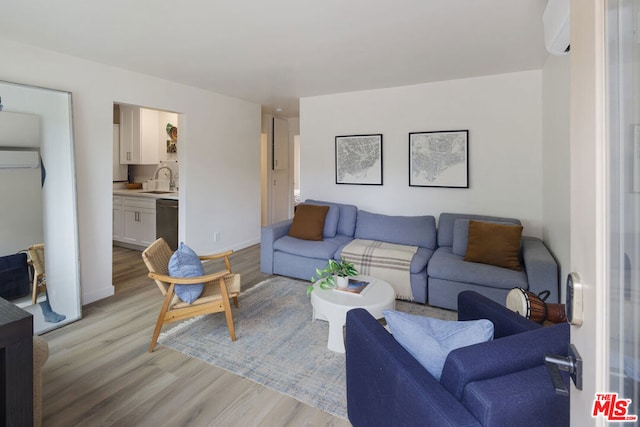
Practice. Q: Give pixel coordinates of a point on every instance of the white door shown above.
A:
(280, 192)
(280, 144)
(605, 215)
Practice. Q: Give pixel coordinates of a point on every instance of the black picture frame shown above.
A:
(358, 159)
(439, 159)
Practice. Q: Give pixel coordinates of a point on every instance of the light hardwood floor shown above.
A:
(99, 372)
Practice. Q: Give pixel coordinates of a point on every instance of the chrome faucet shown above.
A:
(172, 183)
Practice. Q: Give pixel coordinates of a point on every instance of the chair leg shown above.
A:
(34, 293)
(229, 316)
(235, 301)
(227, 309)
(160, 321)
(156, 333)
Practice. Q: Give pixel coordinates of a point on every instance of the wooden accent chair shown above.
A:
(218, 289)
(36, 259)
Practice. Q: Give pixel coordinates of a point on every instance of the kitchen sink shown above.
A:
(157, 192)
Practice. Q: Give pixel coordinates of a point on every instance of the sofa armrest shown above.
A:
(268, 235)
(387, 386)
(473, 306)
(541, 268)
(503, 356)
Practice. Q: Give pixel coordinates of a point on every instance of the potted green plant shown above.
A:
(334, 275)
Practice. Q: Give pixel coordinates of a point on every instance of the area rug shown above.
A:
(278, 345)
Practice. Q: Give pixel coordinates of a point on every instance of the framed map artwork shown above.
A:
(439, 159)
(359, 159)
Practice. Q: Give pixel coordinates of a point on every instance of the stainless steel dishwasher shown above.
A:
(167, 221)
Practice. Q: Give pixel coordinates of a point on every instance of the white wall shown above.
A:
(219, 153)
(501, 112)
(556, 159)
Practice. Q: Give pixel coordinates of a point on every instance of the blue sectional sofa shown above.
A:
(503, 382)
(438, 272)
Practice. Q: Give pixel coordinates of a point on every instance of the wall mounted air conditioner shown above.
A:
(556, 22)
(19, 159)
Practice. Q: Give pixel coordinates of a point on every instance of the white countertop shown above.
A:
(173, 195)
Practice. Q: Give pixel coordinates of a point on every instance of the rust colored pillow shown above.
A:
(494, 244)
(308, 222)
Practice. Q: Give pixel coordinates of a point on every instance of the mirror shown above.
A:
(37, 188)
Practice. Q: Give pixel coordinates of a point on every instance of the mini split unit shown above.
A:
(19, 159)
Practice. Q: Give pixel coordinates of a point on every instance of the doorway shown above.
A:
(146, 173)
(280, 167)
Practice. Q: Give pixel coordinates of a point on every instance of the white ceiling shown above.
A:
(273, 52)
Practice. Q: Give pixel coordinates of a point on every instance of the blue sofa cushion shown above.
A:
(185, 263)
(322, 249)
(460, 237)
(402, 230)
(330, 221)
(448, 266)
(346, 217)
(430, 340)
(500, 400)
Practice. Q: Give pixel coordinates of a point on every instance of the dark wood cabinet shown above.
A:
(16, 366)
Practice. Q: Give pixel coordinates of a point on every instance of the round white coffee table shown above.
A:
(332, 305)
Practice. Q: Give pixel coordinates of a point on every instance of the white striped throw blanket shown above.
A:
(386, 261)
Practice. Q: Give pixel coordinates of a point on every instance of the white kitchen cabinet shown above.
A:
(119, 170)
(117, 218)
(138, 220)
(139, 136)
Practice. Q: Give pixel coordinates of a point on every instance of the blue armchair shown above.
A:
(497, 383)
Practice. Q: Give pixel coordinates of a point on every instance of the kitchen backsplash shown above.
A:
(142, 173)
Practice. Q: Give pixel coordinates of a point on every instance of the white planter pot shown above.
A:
(341, 282)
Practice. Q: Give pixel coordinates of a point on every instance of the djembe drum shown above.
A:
(533, 306)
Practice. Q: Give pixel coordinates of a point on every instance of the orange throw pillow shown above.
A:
(308, 222)
(494, 244)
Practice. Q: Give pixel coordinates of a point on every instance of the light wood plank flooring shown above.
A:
(99, 372)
